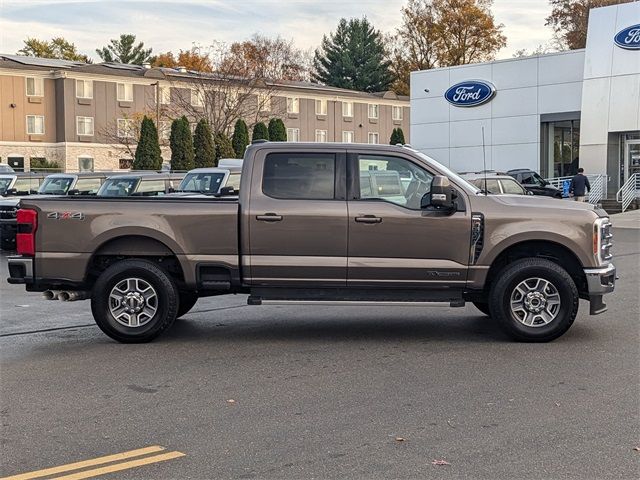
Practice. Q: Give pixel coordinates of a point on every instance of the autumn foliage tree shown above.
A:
(569, 20)
(57, 47)
(194, 59)
(443, 33)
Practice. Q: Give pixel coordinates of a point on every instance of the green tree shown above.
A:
(181, 143)
(353, 57)
(205, 150)
(148, 155)
(224, 149)
(240, 138)
(397, 137)
(57, 47)
(260, 132)
(277, 130)
(124, 50)
(43, 165)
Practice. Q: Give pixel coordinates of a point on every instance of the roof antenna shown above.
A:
(484, 163)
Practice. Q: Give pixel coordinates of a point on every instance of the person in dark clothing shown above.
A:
(580, 186)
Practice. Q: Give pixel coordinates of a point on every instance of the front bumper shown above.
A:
(600, 281)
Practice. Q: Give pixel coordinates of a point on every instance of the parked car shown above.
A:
(210, 180)
(140, 184)
(496, 183)
(307, 228)
(14, 186)
(534, 183)
(19, 183)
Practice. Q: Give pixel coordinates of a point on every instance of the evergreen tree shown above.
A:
(205, 150)
(260, 132)
(277, 130)
(353, 57)
(224, 149)
(397, 137)
(400, 135)
(240, 138)
(148, 155)
(181, 143)
(124, 50)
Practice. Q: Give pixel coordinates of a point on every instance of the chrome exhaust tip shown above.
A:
(65, 296)
(50, 294)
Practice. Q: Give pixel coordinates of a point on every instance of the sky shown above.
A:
(178, 24)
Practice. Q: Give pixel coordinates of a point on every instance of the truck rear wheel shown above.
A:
(534, 300)
(187, 301)
(134, 301)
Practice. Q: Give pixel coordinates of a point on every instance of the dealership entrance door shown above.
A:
(632, 158)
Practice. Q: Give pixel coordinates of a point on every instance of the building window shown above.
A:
(196, 98)
(373, 110)
(84, 125)
(85, 164)
(35, 87)
(396, 112)
(293, 134)
(125, 163)
(321, 107)
(125, 128)
(293, 105)
(165, 95)
(560, 148)
(347, 136)
(35, 124)
(374, 137)
(164, 132)
(321, 135)
(84, 88)
(125, 92)
(264, 102)
(347, 109)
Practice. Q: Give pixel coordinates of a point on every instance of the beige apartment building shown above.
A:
(85, 116)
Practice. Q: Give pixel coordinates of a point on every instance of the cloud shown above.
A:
(172, 25)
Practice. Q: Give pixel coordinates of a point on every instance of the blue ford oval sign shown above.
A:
(628, 38)
(470, 93)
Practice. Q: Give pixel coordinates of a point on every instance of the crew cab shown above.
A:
(317, 223)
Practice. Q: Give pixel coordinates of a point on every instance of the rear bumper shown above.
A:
(20, 270)
(600, 281)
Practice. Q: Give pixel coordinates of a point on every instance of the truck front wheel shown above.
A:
(134, 301)
(534, 300)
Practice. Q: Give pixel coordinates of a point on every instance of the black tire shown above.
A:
(531, 268)
(166, 301)
(187, 301)
(483, 307)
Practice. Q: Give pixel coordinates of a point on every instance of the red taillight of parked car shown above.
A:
(26, 235)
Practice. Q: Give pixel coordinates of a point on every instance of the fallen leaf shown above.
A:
(399, 439)
(637, 449)
(440, 462)
(231, 400)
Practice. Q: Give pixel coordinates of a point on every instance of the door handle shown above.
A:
(368, 219)
(269, 217)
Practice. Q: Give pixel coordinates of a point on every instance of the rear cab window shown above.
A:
(88, 186)
(301, 176)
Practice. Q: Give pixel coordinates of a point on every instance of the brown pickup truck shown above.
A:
(321, 223)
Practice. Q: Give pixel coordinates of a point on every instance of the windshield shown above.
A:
(5, 182)
(539, 180)
(118, 187)
(202, 182)
(449, 173)
(56, 185)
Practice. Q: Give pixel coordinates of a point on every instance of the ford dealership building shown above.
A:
(550, 113)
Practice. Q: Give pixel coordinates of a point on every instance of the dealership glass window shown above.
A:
(85, 164)
(84, 88)
(35, 87)
(560, 148)
(125, 92)
(347, 109)
(293, 134)
(321, 107)
(84, 125)
(35, 124)
(321, 135)
(347, 136)
(293, 105)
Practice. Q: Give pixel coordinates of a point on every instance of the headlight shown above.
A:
(602, 240)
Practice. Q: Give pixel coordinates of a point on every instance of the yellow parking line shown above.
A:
(85, 463)
(116, 467)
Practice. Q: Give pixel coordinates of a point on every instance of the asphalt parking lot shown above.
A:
(235, 391)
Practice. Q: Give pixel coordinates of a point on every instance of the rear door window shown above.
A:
(152, 186)
(511, 187)
(304, 176)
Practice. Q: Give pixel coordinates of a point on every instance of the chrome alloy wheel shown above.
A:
(133, 302)
(535, 302)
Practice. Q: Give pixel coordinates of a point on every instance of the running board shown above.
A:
(347, 303)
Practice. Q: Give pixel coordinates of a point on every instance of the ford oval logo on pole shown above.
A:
(629, 38)
(470, 93)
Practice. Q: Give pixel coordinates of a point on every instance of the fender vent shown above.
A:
(477, 237)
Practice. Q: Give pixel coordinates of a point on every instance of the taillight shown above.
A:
(26, 236)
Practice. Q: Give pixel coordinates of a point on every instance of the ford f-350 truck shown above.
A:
(319, 223)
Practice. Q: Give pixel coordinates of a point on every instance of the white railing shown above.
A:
(629, 191)
(598, 183)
